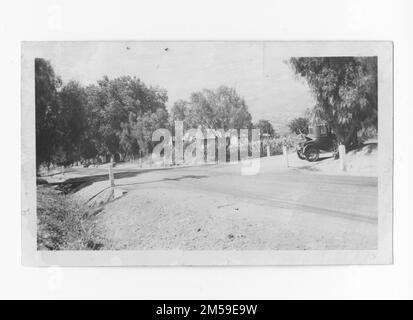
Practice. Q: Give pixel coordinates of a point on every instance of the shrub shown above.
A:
(276, 145)
(62, 223)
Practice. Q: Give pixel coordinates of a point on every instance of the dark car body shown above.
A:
(319, 139)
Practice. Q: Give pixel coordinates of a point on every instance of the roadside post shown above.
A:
(266, 140)
(285, 153)
(150, 160)
(63, 170)
(111, 175)
(342, 156)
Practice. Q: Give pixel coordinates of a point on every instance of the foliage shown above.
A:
(72, 121)
(266, 128)
(47, 111)
(299, 125)
(222, 108)
(122, 108)
(75, 122)
(63, 223)
(118, 116)
(179, 111)
(345, 89)
(276, 145)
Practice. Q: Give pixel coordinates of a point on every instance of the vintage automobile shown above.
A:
(319, 139)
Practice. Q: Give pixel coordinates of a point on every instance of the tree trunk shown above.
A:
(350, 139)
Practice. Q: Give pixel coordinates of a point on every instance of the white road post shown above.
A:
(268, 151)
(342, 155)
(111, 175)
(285, 155)
(63, 170)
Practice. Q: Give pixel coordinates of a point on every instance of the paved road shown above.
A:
(341, 196)
(216, 207)
(348, 197)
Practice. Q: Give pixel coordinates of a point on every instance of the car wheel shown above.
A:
(300, 155)
(312, 154)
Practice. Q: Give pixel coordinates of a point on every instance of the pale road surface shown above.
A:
(216, 207)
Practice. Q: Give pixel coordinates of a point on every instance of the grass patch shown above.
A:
(63, 223)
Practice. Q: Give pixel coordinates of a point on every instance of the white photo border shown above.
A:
(383, 255)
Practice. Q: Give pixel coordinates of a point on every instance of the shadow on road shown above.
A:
(73, 185)
(78, 183)
(312, 166)
(164, 179)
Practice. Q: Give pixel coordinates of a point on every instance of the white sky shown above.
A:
(254, 69)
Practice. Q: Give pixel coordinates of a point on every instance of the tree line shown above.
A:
(119, 116)
(75, 122)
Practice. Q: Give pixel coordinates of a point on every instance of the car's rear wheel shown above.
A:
(312, 154)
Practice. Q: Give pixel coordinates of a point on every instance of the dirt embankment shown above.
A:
(64, 223)
(360, 162)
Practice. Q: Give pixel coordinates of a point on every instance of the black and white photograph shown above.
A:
(206, 157)
(209, 146)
